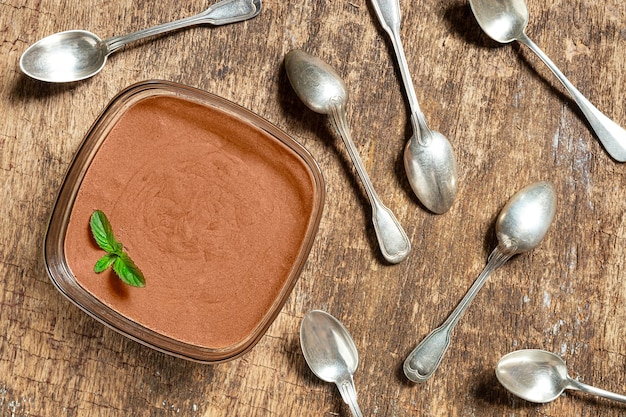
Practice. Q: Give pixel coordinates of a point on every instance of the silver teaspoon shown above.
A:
(428, 157)
(505, 21)
(77, 54)
(540, 377)
(521, 225)
(323, 91)
(331, 354)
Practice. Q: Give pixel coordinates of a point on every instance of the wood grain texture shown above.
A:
(510, 123)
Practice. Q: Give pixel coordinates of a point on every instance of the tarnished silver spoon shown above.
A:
(428, 157)
(505, 21)
(323, 91)
(540, 377)
(331, 354)
(77, 54)
(521, 225)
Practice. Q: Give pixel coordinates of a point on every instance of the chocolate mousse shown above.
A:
(214, 210)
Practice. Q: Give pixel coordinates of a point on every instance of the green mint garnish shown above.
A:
(123, 266)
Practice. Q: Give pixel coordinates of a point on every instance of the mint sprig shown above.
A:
(123, 266)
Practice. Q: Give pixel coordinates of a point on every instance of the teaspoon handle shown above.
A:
(577, 385)
(392, 239)
(348, 393)
(388, 14)
(220, 13)
(424, 360)
(612, 136)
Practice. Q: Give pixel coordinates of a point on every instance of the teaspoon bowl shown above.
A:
(331, 354)
(541, 377)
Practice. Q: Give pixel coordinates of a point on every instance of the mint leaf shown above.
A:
(103, 233)
(123, 266)
(128, 272)
(104, 262)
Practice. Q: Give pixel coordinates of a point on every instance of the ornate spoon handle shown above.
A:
(424, 360)
(348, 393)
(392, 239)
(221, 13)
(388, 13)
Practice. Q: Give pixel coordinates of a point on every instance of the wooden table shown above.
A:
(510, 123)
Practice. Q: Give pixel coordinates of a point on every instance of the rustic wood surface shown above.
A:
(510, 123)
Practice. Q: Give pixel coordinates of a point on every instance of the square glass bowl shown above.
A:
(215, 205)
